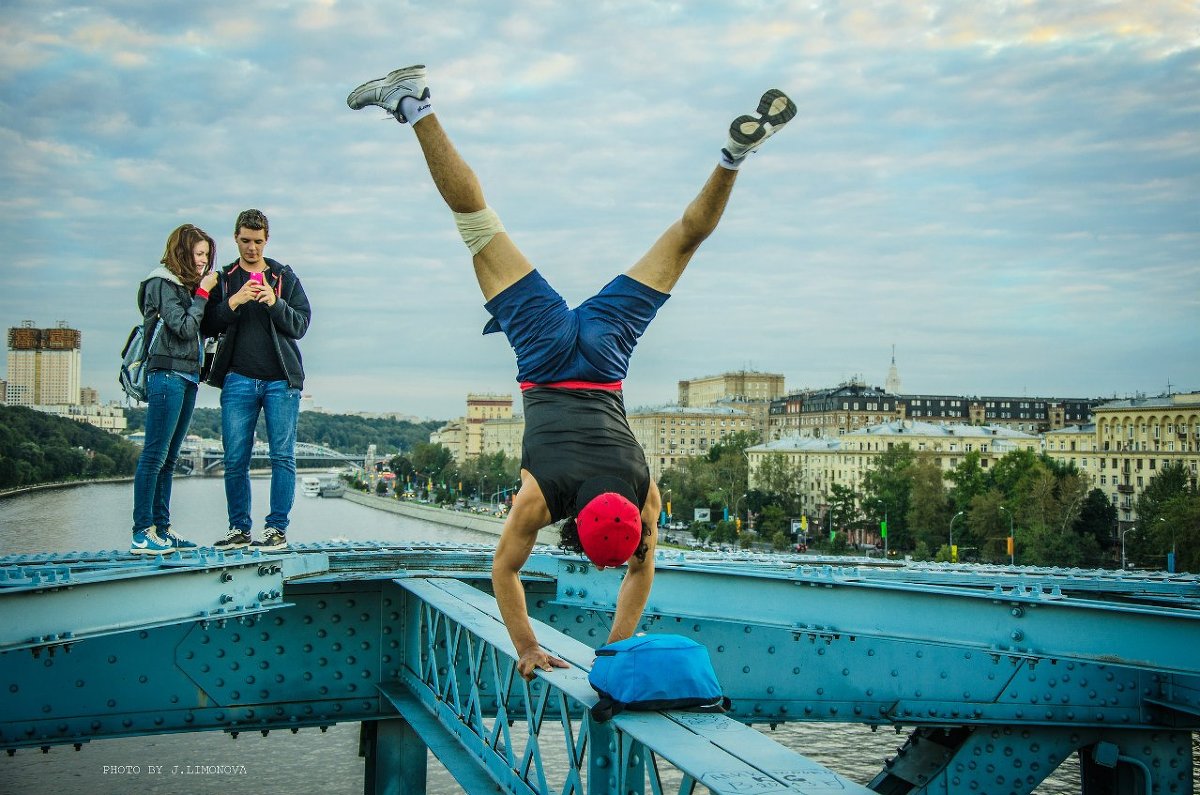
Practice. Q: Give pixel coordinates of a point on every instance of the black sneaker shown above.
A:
(234, 539)
(273, 539)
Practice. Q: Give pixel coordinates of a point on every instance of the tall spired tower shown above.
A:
(893, 378)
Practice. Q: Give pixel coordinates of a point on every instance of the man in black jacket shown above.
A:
(260, 308)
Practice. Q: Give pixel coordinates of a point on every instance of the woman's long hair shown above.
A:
(568, 539)
(178, 254)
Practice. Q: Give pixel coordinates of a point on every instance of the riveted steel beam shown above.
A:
(49, 612)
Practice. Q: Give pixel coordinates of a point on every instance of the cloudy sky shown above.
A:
(1007, 192)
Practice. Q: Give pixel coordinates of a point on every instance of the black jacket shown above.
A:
(290, 317)
(177, 347)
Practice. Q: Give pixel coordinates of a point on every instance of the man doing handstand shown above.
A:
(579, 459)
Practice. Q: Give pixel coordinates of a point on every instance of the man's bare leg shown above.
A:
(664, 263)
(500, 263)
(404, 95)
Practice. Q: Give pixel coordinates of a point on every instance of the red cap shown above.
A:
(610, 527)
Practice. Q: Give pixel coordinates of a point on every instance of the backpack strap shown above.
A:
(603, 710)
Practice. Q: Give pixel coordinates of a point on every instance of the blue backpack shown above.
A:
(652, 672)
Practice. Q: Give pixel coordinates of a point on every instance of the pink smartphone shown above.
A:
(256, 277)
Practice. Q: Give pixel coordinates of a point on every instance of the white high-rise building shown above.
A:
(44, 365)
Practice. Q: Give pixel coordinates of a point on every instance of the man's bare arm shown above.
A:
(635, 589)
(529, 514)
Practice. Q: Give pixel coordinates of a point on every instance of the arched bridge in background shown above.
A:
(206, 456)
(997, 674)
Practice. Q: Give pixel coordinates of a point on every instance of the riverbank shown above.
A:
(60, 484)
(66, 484)
(464, 520)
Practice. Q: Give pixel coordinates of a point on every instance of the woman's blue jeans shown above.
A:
(242, 399)
(171, 399)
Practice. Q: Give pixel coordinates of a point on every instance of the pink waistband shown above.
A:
(609, 385)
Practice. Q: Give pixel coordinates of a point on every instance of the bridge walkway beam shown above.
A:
(466, 659)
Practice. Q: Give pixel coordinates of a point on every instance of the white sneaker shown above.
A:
(386, 92)
(747, 133)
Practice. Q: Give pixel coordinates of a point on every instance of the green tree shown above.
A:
(969, 481)
(844, 516)
(430, 459)
(986, 528)
(930, 509)
(779, 480)
(888, 490)
(772, 520)
(1097, 519)
(1168, 520)
(346, 433)
(729, 469)
(41, 448)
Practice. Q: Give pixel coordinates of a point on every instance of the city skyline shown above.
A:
(1010, 195)
(858, 379)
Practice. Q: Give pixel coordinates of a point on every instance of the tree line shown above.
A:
(429, 471)
(36, 447)
(1044, 506)
(42, 448)
(346, 433)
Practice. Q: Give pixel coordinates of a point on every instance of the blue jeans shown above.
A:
(242, 399)
(171, 398)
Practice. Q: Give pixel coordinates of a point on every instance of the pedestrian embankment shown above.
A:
(464, 520)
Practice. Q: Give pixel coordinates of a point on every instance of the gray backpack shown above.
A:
(135, 369)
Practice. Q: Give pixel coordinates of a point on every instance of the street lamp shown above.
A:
(1012, 539)
(736, 503)
(1123, 534)
(952, 555)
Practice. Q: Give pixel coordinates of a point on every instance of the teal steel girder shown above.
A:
(1014, 616)
(313, 661)
(460, 659)
(1053, 661)
(50, 607)
(1004, 760)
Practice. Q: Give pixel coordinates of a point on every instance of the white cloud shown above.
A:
(989, 186)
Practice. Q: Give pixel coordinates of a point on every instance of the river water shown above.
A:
(97, 517)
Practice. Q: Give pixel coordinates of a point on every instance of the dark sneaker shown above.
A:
(234, 539)
(272, 540)
(747, 133)
(147, 542)
(386, 92)
(174, 540)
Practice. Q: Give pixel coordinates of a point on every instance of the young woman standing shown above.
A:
(173, 295)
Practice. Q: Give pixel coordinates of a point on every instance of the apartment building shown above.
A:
(109, 418)
(821, 413)
(853, 405)
(844, 460)
(1128, 443)
(464, 436)
(740, 386)
(670, 434)
(503, 435)
(1025, 414)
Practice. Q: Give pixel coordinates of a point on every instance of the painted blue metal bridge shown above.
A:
(997, 674)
